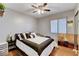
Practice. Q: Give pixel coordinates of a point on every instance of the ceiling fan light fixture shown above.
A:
(41, 8)
(40, 11)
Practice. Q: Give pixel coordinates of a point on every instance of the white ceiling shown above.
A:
(54, 7)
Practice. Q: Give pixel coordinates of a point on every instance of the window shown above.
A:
(62, 25)
(58, 26)
(54, 26)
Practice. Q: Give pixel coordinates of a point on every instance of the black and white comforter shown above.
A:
(36, 46)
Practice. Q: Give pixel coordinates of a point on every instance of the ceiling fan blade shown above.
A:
(34, 11)
(47, 10)
(34, 6)
(45, 4)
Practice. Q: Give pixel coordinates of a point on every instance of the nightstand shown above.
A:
(4, 49)
(11, 45)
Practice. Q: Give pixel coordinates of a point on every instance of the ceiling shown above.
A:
(54, 7)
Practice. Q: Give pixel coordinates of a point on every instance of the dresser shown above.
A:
(3, 48)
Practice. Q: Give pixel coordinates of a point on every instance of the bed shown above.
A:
(39, 46)
(34, 45)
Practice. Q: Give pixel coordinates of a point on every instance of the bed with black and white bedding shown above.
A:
(35, 45)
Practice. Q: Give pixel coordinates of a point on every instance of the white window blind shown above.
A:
(58, 26)
(54, 26)
(62, 25)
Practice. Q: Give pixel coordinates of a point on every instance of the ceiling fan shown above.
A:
(40, 8)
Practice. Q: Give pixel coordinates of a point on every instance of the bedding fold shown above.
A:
(38, 47)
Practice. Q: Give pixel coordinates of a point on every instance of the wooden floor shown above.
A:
(63, 51)
(60, 51)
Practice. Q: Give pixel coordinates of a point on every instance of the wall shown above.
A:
(14, 22)
(76, 39)
(44, 23)
(78, 24)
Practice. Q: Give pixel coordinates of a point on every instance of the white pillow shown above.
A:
(20, 37)
(8, 38)
(31, 36)
(34, 34)
(13, 37)
(24, 35)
